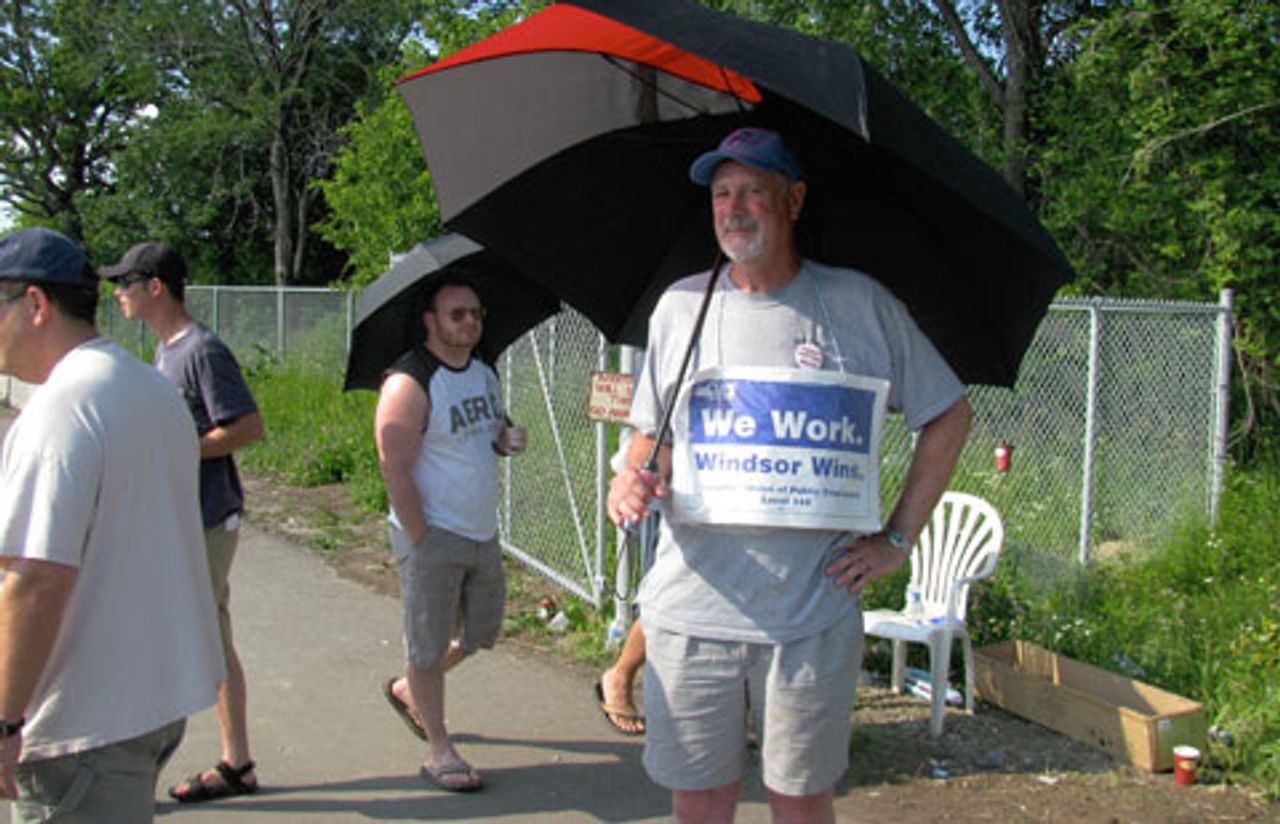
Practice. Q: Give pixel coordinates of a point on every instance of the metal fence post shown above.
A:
(506, 465)
(1222, 410)
(1090, 429)
(216, 320)
(351, 318)
(280, 321)
(602, 476)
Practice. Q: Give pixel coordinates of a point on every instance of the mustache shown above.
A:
(731, 224)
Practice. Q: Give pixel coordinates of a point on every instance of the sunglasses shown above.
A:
(460, 313)
(125, 281)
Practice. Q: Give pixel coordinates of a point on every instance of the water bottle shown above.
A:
(915, 603)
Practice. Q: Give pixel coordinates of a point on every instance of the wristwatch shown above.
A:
(8, 729)
(897, 539)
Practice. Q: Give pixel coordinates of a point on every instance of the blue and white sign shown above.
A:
(759, 446)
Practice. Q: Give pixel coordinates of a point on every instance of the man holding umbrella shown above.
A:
(738, 610)
(439, 426)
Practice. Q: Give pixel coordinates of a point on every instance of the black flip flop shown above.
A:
(403, 710)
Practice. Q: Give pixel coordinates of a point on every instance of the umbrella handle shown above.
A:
(664, 427)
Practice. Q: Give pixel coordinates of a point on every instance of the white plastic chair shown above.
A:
(958, 546)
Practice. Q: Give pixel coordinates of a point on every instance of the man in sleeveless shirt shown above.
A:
(150, 283)
(761, 616)
(440, 428)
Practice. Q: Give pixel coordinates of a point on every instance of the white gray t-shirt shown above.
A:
(456, 470)
(99, 473)
(759, 584)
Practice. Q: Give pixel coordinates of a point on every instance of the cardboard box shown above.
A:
(1133, 721)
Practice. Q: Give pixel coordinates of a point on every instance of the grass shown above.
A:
(1196, 612)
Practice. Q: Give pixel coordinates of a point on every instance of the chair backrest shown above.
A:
(961, 540)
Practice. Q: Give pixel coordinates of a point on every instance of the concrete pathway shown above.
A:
(317, 649)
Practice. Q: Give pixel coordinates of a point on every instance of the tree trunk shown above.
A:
(1019, 45)
(281, 196)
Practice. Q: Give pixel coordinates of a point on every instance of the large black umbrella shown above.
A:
(389, 314)
(564, 142)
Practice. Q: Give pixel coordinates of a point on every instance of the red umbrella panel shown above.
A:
(563, 143)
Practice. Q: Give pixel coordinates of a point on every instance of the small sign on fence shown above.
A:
(610, 399)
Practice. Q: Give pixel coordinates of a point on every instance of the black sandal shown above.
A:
(233, 783)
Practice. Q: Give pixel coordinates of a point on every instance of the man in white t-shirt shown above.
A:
(108, 638)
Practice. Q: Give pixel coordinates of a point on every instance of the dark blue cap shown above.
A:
(757, 148)
(44, 256)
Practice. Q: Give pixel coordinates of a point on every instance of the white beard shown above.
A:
(740, 250)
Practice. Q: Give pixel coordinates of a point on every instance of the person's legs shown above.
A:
(454, 593)
(617, 682)
(695, 744)
(805, 809)
(805, 700)
(232, 708)
(714, 806)
(114, 784)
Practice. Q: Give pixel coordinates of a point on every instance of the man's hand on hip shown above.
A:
(855, 565)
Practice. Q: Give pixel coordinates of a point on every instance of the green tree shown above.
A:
(907, 42)
(380, 196)
(71, 91)
(289, 74)
(1162, 167)
(195, 179)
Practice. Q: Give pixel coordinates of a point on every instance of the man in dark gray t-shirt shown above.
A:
(149, 286)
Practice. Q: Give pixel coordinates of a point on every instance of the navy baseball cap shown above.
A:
(757, 148)
(152, 258)
(44, 256)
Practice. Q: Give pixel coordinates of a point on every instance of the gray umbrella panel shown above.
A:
(388, 315)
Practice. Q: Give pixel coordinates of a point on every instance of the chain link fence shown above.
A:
(311, 325)
(1117, 424)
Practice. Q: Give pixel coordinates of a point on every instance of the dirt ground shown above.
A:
(990, 766)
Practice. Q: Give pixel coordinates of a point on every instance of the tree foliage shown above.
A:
(291, 72)
(71, 92)
(1161, 167)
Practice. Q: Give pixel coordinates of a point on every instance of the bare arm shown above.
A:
(398, 423)
(932, 464)
(231, 436)
(33, 599)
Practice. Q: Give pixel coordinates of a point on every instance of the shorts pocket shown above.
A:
(49, 791)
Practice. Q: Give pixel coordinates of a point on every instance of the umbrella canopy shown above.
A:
(389, 313)
(564, 141)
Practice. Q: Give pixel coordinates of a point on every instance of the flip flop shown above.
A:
(403, 710)
(233, 783)
(616, 714)
(438, 777)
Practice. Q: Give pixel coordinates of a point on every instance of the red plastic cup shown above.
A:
(1185, 761)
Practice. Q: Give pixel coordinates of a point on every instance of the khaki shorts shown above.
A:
(114, 784)
(220, 544)
(453, 589)
(802, 696)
